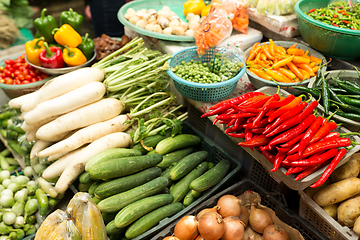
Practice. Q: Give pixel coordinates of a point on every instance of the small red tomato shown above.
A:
(9, 61)
(33, 79)
(8, 80)
(32, 73)
(2, 80)
(7, 73)
(26, 71)
(25, 82)
(17, 65)
(21, 77)
(17, 81)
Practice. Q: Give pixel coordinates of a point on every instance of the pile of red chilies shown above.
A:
(286, 131)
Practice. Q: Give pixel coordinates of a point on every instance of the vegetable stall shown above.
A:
(190, 126)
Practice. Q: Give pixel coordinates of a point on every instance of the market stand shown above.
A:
(250, 167)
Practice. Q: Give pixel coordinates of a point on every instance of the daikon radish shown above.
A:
(110, 141)
(87, 135)
(19, 101)
(31, 135)
(63, 84)
(54, 157)
(38, 146)
(27, 127)
(54, 170)
(67, 102)
(99, 111)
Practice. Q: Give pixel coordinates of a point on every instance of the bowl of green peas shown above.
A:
(331, 27)
(206, 78)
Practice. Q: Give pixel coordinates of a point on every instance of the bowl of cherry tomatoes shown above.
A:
(18, 78)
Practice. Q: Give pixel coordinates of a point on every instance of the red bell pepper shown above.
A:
(51, 57)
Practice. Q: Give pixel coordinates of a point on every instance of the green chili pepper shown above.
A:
(87, 46)
(352, 116)
(325, 95)
(334, 97)
(43, 201)
(348, 108)
(348, 88)
(44, 25)
(72, 18)
(349, 96)
(313, 91)
(350, 101)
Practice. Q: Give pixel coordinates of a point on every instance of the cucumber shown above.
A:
(112, 230)
(125, 166)
(108, 217)
(85, 178)
(110, 154)
(151, 142)
(165, 191)
(211, 177)
(181, 188)
(137, 209)
(94, 186)
(151, 219)
(187, 164)
(190, 197)
(84, 187)
(107, 189)
(121, 200)
(166, 174)
(173, 157)
(96, 200)
(151, 152)
(171, 144)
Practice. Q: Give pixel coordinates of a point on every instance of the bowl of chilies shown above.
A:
(291, 141)
(333, 29)
(282, 63)
(339, 92)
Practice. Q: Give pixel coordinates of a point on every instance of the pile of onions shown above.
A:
(259, 219)
(186, 228)
(229, 205)
(211, 226)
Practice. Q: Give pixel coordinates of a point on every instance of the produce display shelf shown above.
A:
(215, 154)
(282, 212)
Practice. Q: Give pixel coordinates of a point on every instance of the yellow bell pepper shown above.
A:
(73, 56)
(193, 6)
(205, 11)
(33, 49)
(66, 35)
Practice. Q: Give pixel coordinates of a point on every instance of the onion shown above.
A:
(229, 206)
(234, 228)
(259, 219)
(213, 209)
(244, 216)
(275, 232)
(199, 238)
(171, 238)
(186, 228)
(211, 226)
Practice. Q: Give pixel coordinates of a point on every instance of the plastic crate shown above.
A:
(284, 213)
(321, 220)
(215, 155)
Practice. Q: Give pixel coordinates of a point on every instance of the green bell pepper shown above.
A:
(44, 25)
(72, 18)
(87, 46)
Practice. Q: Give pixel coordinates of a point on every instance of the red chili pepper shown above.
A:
(256, 142)
(237, 100)
(346, 22)
(293, 170)
(309, 171)
(285, 108)
(334, 24)
(314, 160)
(252, 100)
(271, 111)
(340, 11)
(228, 111)
(51, 57)
(268, 156)
(295, 120)
(248, 136)
(293, 132)
(262, 123)
(236, 126)
(285, 116)
(335, 16)
(312, 10)
(292, 142)
(240, 115)
(279, 157)
(218, 110)
(232, 121)
(273, 99)
(257, 130)
(252, 110)
(294, 149)
(257, 104)
(325, 128)
(320, 146)
(284, 150)
(326, 174)
(310, 133)
(236, 135)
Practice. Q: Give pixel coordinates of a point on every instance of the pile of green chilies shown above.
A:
(286, 131)
(338, 14)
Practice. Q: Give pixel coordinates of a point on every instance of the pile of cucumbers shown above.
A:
(136, 188)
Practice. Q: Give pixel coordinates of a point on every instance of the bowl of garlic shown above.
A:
(162, 19)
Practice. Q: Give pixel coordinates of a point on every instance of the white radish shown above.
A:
(27, 127)
(54, 170)
(47, 187)
(38, 146)
(87, 135)
(73, 170)
(99, 111)
(31, 135)
(63, 84)
(54, 157)
(67, 102)
(19, 101)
